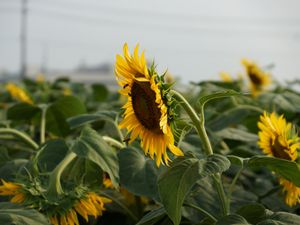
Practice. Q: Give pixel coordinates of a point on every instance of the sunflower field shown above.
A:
(215, 153)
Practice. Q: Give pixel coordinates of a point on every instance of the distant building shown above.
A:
(102, 73)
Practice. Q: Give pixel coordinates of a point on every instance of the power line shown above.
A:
(105, 21)
(129, 12)
(109, 9)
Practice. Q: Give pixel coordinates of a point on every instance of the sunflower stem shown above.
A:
(198, 122)
(21, 135)
(203, 211)
(232, 185)
(113, 142)
(54, 188)
(221, 193)
(43, 123)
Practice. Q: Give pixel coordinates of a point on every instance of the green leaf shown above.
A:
(91, 145)
(221, 94)
(180, 128)
(51, 153)
(232, 220)
(272, 99)
(281, 218)
(22, 111)
(191, 143)
(237, 135)
(253, 213)
(120, 204)
(176, 182)
(213, 164)
(15, 214)
(138, 174)
(153, 217)
(236, 160)
(60, 111)
(11, 168)
(84, 119)
(100, 92)
(285, 168)
(82, 170)
(205, 196)
(293, 99)
(287, 102)
(232, 116)
(4, 156)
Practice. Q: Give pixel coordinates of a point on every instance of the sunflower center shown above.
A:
(279, 149)
(144, 106)
(254, 78)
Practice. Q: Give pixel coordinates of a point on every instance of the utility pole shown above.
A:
(44, 59)
(23, 40)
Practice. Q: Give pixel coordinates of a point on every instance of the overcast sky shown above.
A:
(194, 39)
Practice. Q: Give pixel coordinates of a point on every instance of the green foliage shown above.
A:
(138, 174)
(253, 213)
(86, 172)
(175, 183)
(222, 94)
(152, 217)
(12, 168)
(287, 169)
(14, 214)
(100, 92)
(50, 154)
(90, 145)
(281, 218)
(237, 135)
(230, 117)
(22, 111)
(232, 220)
(60, 111)
(84, 119)
(187, 192)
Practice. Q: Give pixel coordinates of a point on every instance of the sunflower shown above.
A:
(258, 78)
(18, 93)
(278, 138)
(146, 114)
(292, 196)
(67, 91)
(40, 78)
(92, 205)
(14, 189)
(226, 77)
(63, 212)
(107, 183)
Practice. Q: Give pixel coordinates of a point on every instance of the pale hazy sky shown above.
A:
(194, 39)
